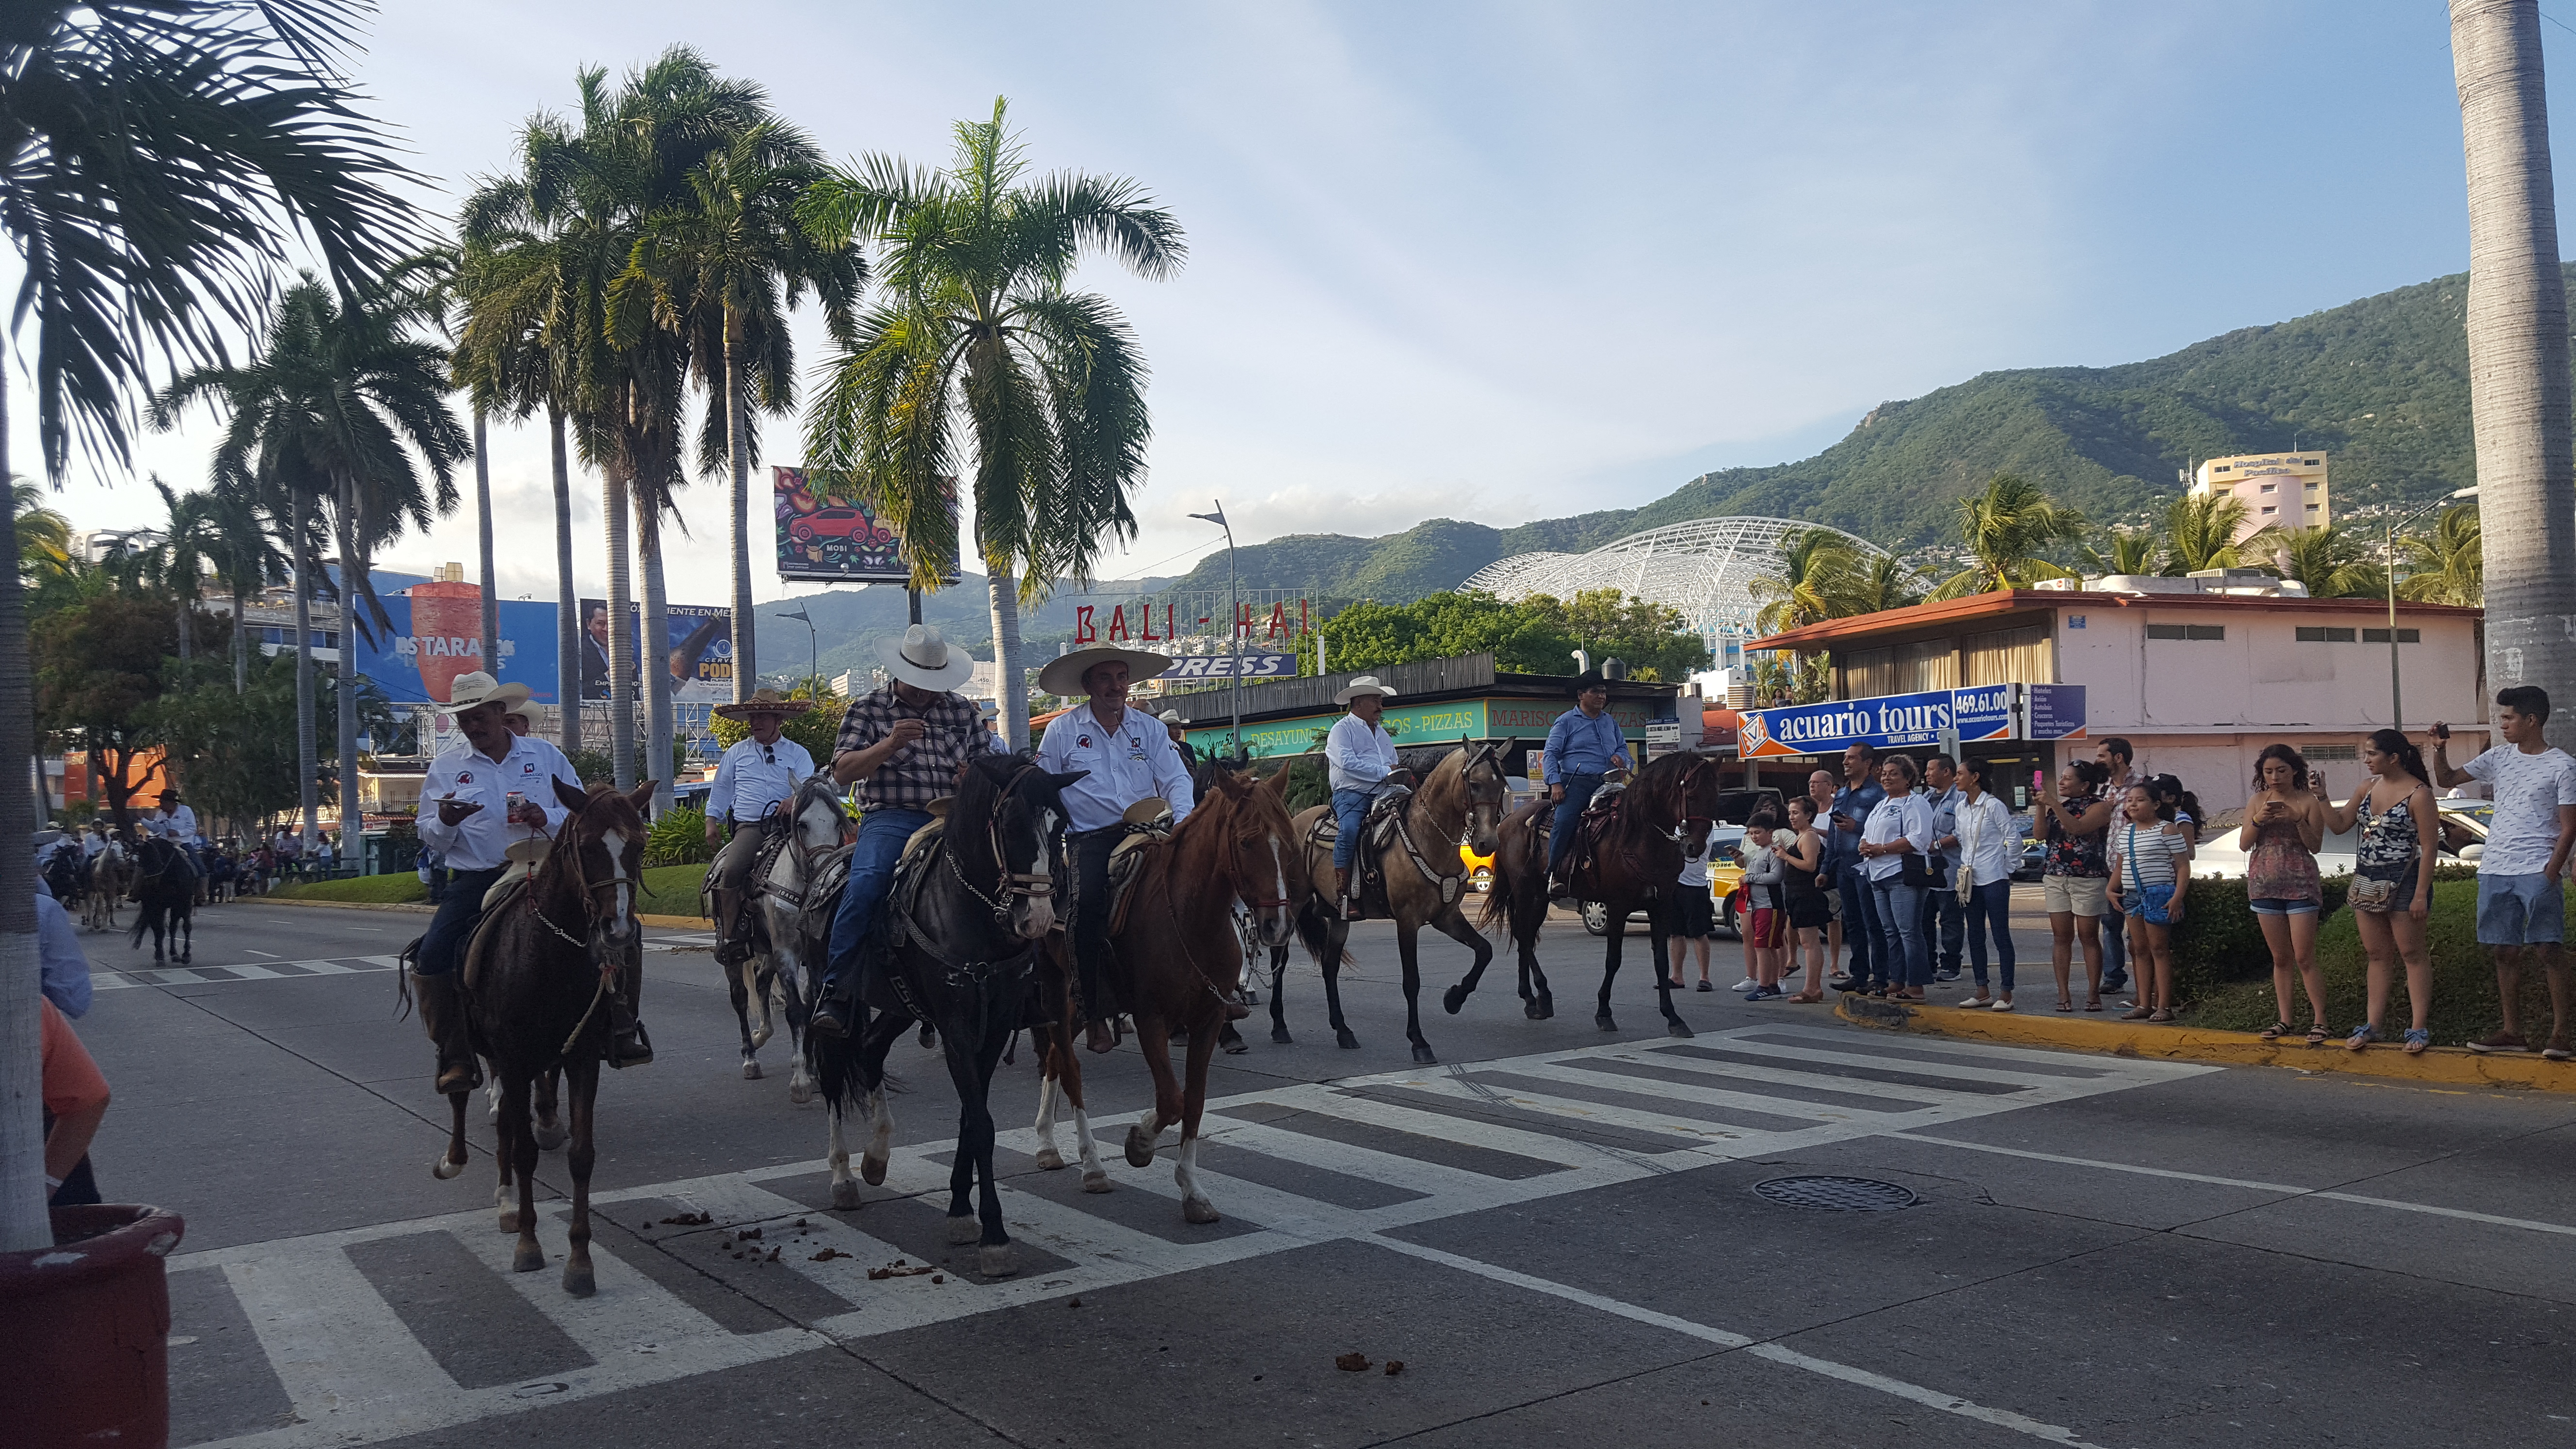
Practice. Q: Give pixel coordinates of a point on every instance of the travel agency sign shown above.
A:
(1901, 721)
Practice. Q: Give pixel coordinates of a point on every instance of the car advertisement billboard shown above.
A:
(825, 535)
(437, 635)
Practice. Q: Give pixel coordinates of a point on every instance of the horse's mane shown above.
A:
(1664, 768)
(1245, 810)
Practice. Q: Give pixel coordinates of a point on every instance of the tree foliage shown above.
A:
(2446, 566)
(2007, 530)
(816, 729)
(1534, 635)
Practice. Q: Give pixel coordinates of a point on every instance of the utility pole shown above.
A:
(1234, 621)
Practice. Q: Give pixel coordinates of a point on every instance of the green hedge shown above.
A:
(668, 890)
(2220, 941)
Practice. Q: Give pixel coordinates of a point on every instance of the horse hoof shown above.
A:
(996, 1260)
(1049, 1159)
(1422, 1053)
(845, 1194)
(873, 1170)
(1095, 1181)
(528, 1259)
(1236, 1046)
(1279, 1036)
(1140, 1148)
(800, 1092)
(750, 1070)
(577, 1280)
(1452, 999)
(1343, 1038)
(760, 1037)
(509, 1222)
(1199, 1210)
(1531, 1010)
(443, 1169)
(1603, 1021)
(964, 1229)
(1675, 1026)
(548, 1135)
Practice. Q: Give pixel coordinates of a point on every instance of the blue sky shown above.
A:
(1503, 262)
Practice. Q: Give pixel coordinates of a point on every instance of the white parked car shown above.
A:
(2464, 836)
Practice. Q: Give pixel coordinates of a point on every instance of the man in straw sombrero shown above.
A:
(469, 816)
(1126, 757)
(904, 745)
(754, 783)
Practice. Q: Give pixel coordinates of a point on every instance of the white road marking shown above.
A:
(271, 955)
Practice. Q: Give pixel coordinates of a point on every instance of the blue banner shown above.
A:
(2056, 712)
(1888, 721)
(435, 639)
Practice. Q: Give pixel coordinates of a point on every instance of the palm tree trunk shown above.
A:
(567, 606)
(308, 763)
(746, 660)
(621, 631)
(24, 1223)
(2518, 362)
(241, 643)
(344, 683)
(1005, 590)
(483, 522)
(656, 764)
(187, 635)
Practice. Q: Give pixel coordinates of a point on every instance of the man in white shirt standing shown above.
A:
(1360, 764)
(2522, 908)
(1127, 757)
(755, 781)
(487, 792)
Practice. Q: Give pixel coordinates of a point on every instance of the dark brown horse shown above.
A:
(1636, 861)
(1426, 885)
(536, 999)
(165, 881)
(1177, 960)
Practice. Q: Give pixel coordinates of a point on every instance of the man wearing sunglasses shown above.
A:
(755, 782)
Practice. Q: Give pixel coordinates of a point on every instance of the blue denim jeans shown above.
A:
(882, 834)
(1349, 806)
(442, 946)
(1990, 913)
(1579, 790)
(1860, 925)
(1941, 910)
(1905, 959)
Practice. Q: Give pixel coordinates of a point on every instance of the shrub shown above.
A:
(678, 838)
(2220, 942)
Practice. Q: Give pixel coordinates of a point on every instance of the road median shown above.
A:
(2451, 1066)
(676, 923)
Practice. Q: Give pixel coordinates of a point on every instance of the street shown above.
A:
(1562, 1234)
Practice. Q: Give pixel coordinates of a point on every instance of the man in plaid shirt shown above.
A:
(904, 744)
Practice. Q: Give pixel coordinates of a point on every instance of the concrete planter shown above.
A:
(85, 1330)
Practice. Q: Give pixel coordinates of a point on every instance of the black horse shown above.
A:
(166, 883)
(957, 941)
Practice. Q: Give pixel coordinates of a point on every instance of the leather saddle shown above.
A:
(496, 902)
(1149, 824)
(1378, 839)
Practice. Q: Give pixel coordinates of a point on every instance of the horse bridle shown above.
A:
(1014, 885)
(589, 889)
(1681, 798)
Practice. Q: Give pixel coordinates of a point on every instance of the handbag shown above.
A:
(1922, 871)
(1967, 882)
(2374, 887)
(2154, 902)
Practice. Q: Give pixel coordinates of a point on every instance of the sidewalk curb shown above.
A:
(679, 923)
(2454, 1066)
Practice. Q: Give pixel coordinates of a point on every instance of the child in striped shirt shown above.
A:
(2145, 851)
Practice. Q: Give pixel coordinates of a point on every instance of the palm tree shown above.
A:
(1818, 572)
(2201, 531)
(1881, 583)
(44, 536)
(2448, 566)
(726, 267)
(176, 564)
(435, 292)
(2517, 327)
(2005, 528)
(2127, 552)
(2331, 562)
(244, 559)
(982, 338)
(151, 153)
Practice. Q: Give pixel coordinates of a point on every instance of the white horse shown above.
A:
(787, 960)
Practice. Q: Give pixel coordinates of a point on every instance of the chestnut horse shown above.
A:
(1426, 885)
(536, 999)
(1178, 960)
(1637, 860)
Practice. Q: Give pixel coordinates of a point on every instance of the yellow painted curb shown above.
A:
(2455, 1066)
(683, 923)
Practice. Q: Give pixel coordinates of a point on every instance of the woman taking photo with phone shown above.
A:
(1988, 846)
(2285, 822)
(2392, 879)
(2074, 879)
(2146, 856)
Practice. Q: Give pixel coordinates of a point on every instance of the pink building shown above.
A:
(2198, 674)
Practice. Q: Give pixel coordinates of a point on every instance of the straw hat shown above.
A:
(1365, 684)
(765, 701)
(475, 687)
(1063, 675)
(923, 659)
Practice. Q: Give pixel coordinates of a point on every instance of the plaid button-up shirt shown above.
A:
(925, 770)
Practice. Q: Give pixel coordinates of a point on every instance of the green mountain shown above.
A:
(2380, 384)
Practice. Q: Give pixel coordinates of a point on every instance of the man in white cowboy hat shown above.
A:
(904, 744)
(1178, 729)
(755, 781)
(1126, 757)
(1360, 764)
(468, 817)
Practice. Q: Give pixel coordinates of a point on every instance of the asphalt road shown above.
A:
(1559, 1233)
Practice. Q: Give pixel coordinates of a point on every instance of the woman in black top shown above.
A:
(1802, 854)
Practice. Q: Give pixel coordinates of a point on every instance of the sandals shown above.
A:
(2317, 1034)
(2276, 1031)
(2137, 1013)
(2362, 1036)
(2160, 1014)
(2094, 1005)
(2065, 1005)
(2417, 1038)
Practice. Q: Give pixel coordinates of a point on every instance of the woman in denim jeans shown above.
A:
(1898, 826)
(1988, 846)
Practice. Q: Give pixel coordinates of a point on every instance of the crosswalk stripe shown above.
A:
(1704, 1095)
(1909, 1066)
(334, 1342)
(1468, 1089)
(1493, 1137)
(1911, 1097)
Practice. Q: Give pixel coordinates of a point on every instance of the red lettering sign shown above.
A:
(1083, 633)
(1118, 621)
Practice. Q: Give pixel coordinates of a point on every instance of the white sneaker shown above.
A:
(2000, 1005)
(1747, 984)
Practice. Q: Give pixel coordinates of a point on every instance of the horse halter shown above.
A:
(1683, 819)
(589, 889)
(1231, 868)
(1014, 885)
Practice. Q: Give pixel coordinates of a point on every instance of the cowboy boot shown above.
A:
(628, 1045)
(1343, 897)
(442, 1015)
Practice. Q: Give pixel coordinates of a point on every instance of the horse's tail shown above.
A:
(1315, 929)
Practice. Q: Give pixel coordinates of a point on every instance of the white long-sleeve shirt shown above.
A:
(1905, 816)
(530, 768)
(1989, 842)
(1126, 765)
(1358, 755)
(752, 777)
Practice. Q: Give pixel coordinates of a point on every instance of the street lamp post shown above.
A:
(2396, 697)
(1233, 623)
(812, 649)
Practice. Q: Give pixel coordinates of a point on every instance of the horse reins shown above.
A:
(1013, 885)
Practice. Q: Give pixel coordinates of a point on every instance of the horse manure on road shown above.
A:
(897, 1269)
(1394, 1366)
(828, 1254)
(690, 1220)
(1353, 1363)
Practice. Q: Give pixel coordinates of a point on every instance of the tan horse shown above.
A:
(1178, 961)
(1426, 885)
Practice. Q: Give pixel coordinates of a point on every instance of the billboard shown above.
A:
(699, 651)
(438, 635)
(826, 536)
(2056, 712)
(1890, 721)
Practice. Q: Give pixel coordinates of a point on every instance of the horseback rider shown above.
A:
(1583, 747)
(755, 781)
(904, 744)
(1178, 729)
(1128, 758)
(468, 815)
(1360, 763)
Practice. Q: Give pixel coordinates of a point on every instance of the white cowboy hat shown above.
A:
(1365, 684)
(922, 659)
(1171, 716)
(476, 687)
(1063, 674)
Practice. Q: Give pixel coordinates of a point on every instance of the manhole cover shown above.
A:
(1837, 1194)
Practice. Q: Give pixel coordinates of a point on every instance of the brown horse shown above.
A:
(1426, 884)
(1178, 960)
(1637, 860)
(536, 999)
